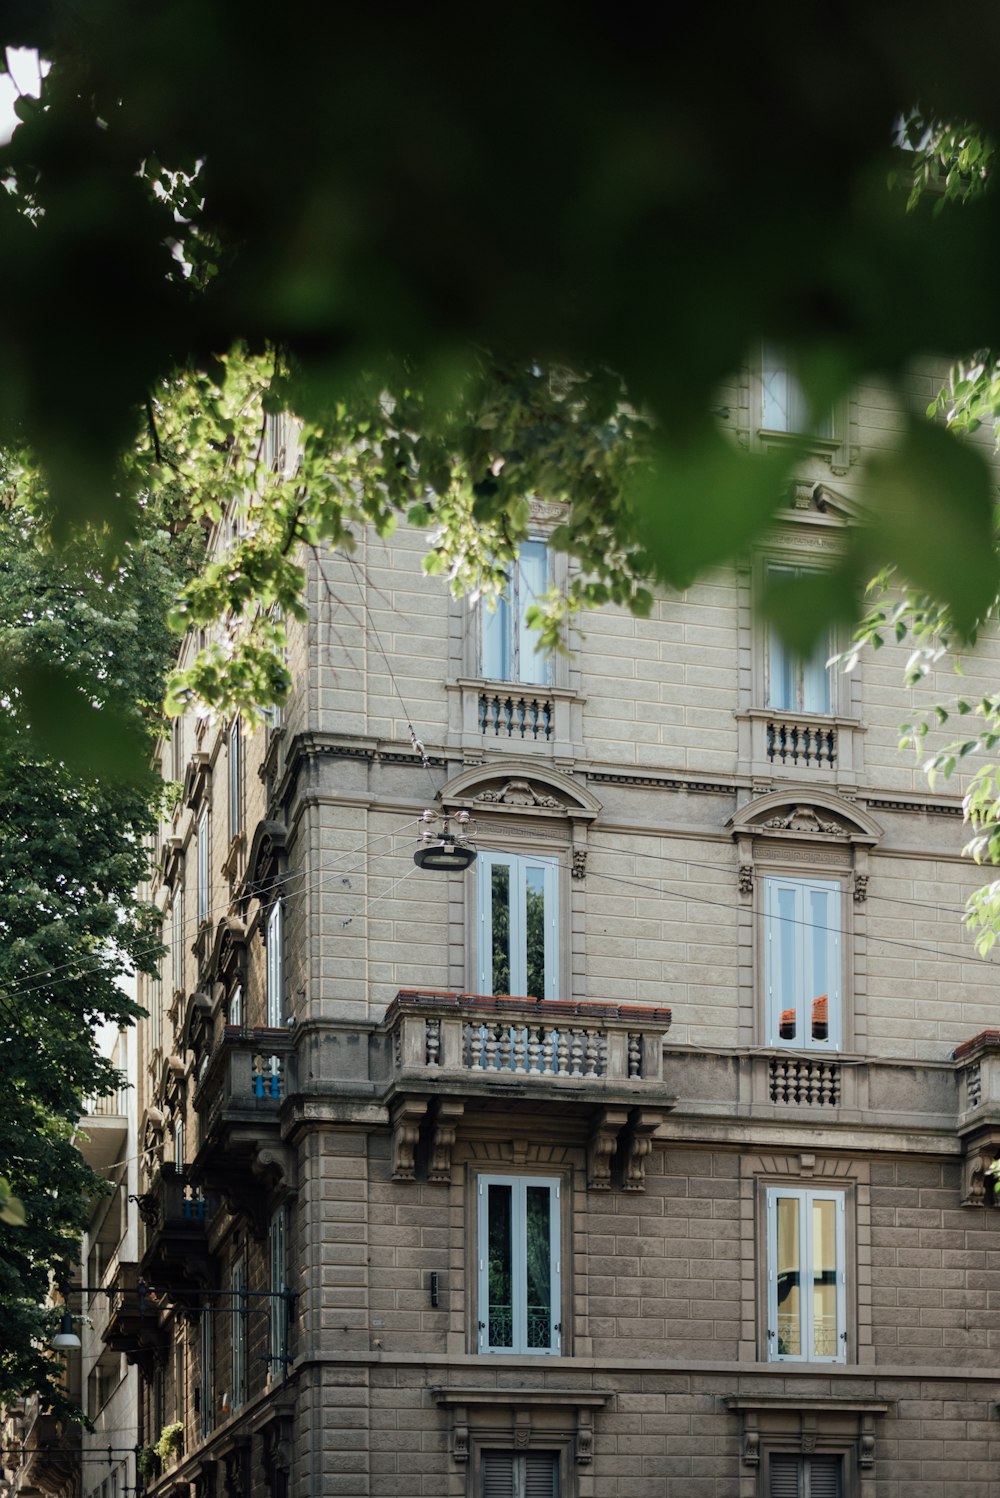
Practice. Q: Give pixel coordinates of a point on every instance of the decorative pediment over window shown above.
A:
(228, 951)
(823, 830)
(808, 1424)
(820, 499)
(196, 780)
(267, 859)
(527, 789)
(197, 1021)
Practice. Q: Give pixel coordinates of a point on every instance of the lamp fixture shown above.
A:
(443, 849)
(66, 1337)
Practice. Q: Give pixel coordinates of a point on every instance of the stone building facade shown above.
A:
(701, 1211)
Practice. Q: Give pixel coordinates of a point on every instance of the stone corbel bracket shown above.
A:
(447, 1117)
(626, 1134)
(407, 1116)
(520, 1417)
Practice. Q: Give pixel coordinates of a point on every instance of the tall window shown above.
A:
(238, 1285)
(807, 1298)
(518, 925)
(794, 684)
(804, 1476)
(278, 1329)
(204, 864)
(177, 934)
(179, 1142)
(784, 407)
(275, 965)
(207, 1371)
(802, 962)
(519, 1264)
(519, 1474)
(508, 644)
(235, 779)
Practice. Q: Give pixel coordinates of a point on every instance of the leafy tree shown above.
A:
(72, 856)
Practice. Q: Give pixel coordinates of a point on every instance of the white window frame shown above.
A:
(235, 766)
(204, 867)
(805, 1196)
(506, 644)
(277, 1349)
(519, 1185)
(519, 865)
(806, 674)
(238, 1284)
(234, 1008)
(179, 1142)
(803, 940)
(177, 933)
(275, 941)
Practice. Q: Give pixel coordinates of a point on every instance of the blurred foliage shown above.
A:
(73, 853)
(383, 204)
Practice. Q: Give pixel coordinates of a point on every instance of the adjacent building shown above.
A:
(644, 1157)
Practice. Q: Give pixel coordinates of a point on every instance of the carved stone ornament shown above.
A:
(407, 1117)
(860, 888)
(602, 1146)
(745, 878)
(751, 1440)
(584, 1437)
(974, 1178)
(637, 1146)
(866, 1447)
(579, 870)
(803, 819)
(519, 793)
(446, 1121)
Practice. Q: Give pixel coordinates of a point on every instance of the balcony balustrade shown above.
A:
(245, 1079)
(175, 1215)
(472, 1040)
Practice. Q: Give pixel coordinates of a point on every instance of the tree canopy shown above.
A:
(73, 853)
(400, 208)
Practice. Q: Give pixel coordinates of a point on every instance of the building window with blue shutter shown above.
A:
(518, 1247)
(507, 642)
(518, 1474)
(806, 1275)
(803, 962)
(518, 925)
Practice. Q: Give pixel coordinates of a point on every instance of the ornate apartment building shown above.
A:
(641, 1158)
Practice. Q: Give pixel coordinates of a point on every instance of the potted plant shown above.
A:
(171, 1441)
(149, 1464)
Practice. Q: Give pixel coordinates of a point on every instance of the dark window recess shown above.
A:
(520, 1474)
(805, 1476)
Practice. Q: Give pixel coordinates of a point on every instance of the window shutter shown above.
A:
(824, 1477)
(786, 1472)
(804, 1477)
(541, 1474)
(498, 1474)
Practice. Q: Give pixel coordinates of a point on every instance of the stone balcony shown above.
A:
(238, 1099)
(452, 1055)
(175, 1218)
(977, 1062)
(132, 1323)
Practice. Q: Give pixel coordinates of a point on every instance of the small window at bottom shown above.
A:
(805, 1476)
(520, 1474)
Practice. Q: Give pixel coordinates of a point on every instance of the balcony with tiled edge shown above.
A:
(595, 1069)
(977, 1062)
(557, 1045)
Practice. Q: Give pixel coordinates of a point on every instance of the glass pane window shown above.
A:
(177, 943)
(802, 962)
(518, 1234)
(806, 1319)
(518, 925)
(275, 965)
(238, 1285)
(235, 779)
(204, 861)
(278, 1330)
(794, 684)
(508, 643)
(784, 407)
